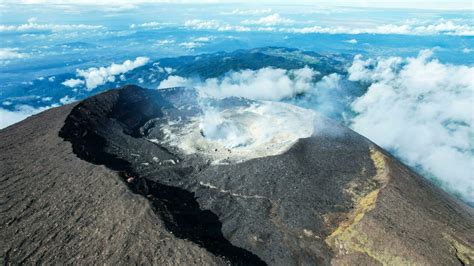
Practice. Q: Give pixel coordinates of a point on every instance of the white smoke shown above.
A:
(241, 133)
(229, 132)
(422, 110)
(263, 129)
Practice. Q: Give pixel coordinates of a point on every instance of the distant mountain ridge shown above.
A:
(202, 66)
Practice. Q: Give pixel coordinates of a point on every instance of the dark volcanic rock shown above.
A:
(331, 198)
(57, 208)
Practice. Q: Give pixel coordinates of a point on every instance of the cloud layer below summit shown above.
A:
(420, 109)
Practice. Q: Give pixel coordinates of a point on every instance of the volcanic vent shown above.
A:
(235, 129)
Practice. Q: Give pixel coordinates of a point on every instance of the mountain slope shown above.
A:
(57, 208)
(332, 198)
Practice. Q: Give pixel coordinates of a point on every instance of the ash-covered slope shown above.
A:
(57, 208)
(332, 197)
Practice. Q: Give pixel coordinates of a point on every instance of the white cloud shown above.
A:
(32, 25)
(271, 20)
(420, 4)
(164, 42)
(21, 112)
(11, 53)
(262, 84)
(351, 41)
(94, 77)
(199, 24)
(442, 26)
(328, 96)
(447, 27)
(67, 100)
(176, 81)
(422, 110)
(107, 3)
(190, 45)
(152, 24)
(121, 8)
(277, 23)
(202, 24)
(237, 28)
(203, 39)
(467, 50)
(72, 83)
(248, 11)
